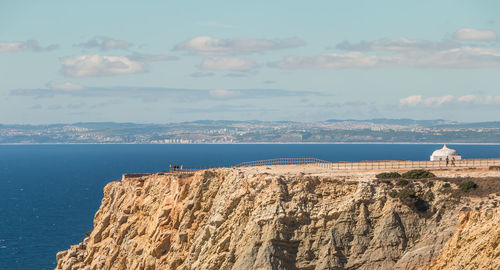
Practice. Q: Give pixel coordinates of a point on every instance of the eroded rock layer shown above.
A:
(475, 245)
(238, 219)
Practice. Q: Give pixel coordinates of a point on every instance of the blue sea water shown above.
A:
(50, 193)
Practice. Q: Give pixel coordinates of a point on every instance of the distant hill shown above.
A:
(401, 122)
(255, 131)
(471, 125)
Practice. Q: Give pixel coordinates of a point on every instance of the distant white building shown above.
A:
(445, 152)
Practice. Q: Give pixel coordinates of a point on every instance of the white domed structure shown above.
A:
(445, 153)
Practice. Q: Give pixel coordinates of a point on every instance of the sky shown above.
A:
(173, 61)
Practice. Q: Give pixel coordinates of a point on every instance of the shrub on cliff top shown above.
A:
(409, 197)
(388, 175)
(417, 174)
(403, 182)
(467, 186)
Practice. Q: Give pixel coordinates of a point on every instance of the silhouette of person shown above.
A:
(447, 161)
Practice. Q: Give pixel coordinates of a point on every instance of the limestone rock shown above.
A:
(475, 245)
(235, 219)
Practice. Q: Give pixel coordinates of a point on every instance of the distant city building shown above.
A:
(445, 152)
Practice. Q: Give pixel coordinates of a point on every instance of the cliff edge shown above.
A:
(266, 218)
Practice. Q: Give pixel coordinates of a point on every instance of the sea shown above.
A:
(50, 193)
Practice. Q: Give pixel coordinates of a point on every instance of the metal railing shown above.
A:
(343, 165)
(282, 161)
(412, 164)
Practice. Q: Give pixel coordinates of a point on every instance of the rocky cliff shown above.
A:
(267, 219)
(475, 245)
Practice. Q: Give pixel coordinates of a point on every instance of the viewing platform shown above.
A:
(376, 165)
(361, 165)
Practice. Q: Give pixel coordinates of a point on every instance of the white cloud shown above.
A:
(97, 65)
(228, 63)
(467, 99)
(11, 46)
(156, 93)
(413, 101)
(65, 86)
(205, 45)
(438, 101)
(336, 61)
(402, 52)
(472, 99)
(151, 57)
(410, 101)
(464, 57)
(399, 44)
(104, 43)
(223, 93)
(470, 34)
(491, 100)
(419, 101)
(31, 45)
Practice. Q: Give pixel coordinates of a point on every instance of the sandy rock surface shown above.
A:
(285, 217)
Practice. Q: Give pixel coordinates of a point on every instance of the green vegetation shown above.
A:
(428, 196)
(417, 174)
(386, 181)
(409, 197)
(403, 182)
(468, 186)
(460, 187)
(388, 175)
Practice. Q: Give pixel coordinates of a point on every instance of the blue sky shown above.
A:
(170, 61)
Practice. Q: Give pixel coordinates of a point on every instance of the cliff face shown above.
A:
(475, 245)
(239, 219)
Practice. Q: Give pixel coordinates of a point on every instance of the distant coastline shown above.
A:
(249, 143)
(375, 131)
